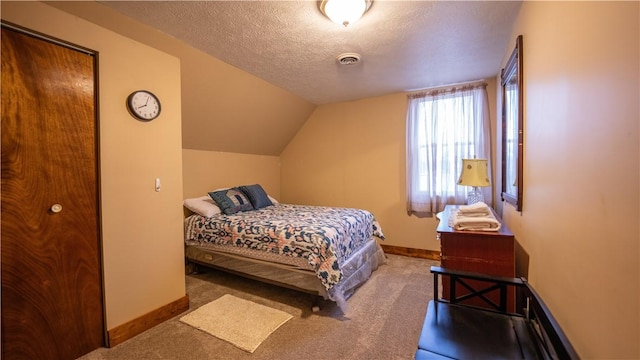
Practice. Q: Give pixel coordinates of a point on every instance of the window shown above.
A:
(443, 127)
(510, 134)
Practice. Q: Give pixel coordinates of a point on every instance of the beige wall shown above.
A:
(141, 229)
(579, 224)
(204, 171)
(352, 154)
(581, 167)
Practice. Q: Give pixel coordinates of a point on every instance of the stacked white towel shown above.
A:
(475, 217)
(479, 209)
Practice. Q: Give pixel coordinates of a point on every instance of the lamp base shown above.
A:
(475, 196)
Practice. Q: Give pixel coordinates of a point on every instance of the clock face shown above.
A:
(143, 105)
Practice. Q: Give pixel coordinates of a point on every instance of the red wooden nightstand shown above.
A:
(485, 252)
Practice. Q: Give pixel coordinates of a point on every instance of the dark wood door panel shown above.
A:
(51, 266)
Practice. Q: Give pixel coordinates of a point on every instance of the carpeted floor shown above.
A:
(384, 320)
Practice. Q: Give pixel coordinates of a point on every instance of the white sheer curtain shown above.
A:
(445, 126)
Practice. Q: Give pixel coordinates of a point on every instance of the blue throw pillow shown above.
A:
(231, 201)
(256, 195)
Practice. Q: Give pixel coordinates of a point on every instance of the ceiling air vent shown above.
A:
(349, 58)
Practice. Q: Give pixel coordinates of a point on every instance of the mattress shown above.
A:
(335, 244)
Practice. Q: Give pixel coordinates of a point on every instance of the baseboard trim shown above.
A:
(410, 252)
(126, 331)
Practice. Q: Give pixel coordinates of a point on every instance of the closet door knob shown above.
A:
(56, 208)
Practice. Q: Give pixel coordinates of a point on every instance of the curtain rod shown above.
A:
(447, 90)
(449, 86)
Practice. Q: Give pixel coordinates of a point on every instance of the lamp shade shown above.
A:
(474, 173)
(344, 12)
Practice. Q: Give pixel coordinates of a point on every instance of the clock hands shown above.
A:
(145, 103)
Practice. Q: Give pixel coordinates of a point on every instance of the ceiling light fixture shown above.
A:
(344, 12)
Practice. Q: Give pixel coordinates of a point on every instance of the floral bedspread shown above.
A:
(325, 236)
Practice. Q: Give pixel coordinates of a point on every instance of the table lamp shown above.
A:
(474, 174)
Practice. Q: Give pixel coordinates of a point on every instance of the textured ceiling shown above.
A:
(405, 45)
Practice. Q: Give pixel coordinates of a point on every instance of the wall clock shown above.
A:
(143, 105)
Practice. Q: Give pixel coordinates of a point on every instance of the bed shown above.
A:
(324, 251)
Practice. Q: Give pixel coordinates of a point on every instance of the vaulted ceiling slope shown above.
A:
(224, 109)
(271, 62)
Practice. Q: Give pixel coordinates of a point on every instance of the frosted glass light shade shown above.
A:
(344, 12)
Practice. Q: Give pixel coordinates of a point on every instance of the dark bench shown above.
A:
(455, 330)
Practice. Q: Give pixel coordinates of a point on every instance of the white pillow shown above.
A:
(204, 206)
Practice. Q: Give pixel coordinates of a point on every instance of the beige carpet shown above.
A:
(240, 322)
(383, 323)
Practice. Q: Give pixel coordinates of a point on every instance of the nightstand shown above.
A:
(486, 252)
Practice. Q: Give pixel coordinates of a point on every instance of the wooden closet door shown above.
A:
(52, 304)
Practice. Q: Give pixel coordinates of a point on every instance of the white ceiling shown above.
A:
(405, 45)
